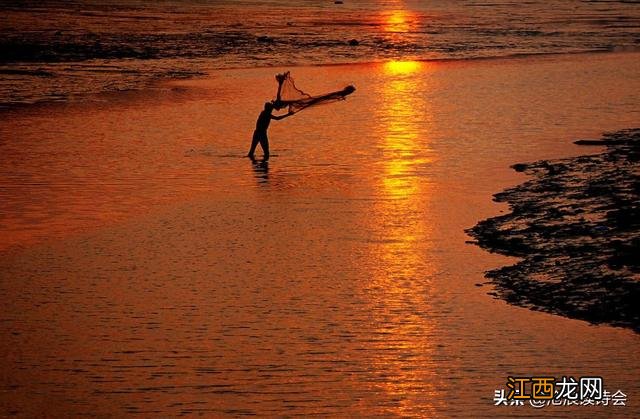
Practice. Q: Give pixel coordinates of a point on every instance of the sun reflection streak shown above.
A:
(402, 67)
(398, 21)
(401, 137)
(401, 275)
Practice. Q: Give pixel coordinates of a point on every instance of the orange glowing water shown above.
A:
(148, 268)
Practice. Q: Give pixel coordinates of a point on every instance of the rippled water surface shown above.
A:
(57, 50)
(148, 268)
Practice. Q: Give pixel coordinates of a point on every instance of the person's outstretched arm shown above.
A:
(277, 118)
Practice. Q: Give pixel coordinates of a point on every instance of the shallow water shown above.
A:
(335, 280)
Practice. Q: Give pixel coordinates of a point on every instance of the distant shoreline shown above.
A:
(29, 71)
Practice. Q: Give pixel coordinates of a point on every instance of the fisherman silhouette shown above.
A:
(260, 133)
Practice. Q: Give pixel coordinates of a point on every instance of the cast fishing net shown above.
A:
(296, 100)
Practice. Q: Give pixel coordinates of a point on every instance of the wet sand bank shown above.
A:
(575, 224)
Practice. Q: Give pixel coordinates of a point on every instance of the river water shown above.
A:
(148, 268)
(65, 50)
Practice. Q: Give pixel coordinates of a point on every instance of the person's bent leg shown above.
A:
(254, 144)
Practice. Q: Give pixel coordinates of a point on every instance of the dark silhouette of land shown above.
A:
(576, 225)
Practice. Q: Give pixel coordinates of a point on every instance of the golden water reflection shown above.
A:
(402, 271)
(403, 115)
(398, 21)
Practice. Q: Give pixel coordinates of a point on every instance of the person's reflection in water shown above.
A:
(261, 170)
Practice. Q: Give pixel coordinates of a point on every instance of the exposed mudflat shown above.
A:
(576, 226)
